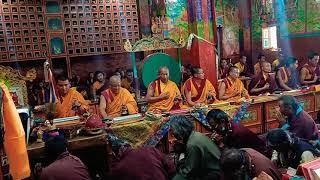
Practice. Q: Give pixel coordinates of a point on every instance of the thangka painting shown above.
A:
(291, 16)
(231, 27)
(313, 15)
(176, 20)
(169, 19)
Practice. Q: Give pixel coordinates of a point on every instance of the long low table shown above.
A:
(260, 118)
(261, 115)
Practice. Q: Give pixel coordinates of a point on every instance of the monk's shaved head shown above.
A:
(266, 66)
(163, 74)
(115, 84)
(163, 68)
(115, 79)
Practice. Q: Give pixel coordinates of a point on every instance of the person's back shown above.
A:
(146, 163)
(262, 163)
(66, 167)
(303, 126)
(202, 159)
(242, 137)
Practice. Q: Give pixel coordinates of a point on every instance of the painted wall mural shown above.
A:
(169, 19)
(231, 25)
(313, 15)
(291, 16)
(177, 20)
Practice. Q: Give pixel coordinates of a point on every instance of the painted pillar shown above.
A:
(201, 22)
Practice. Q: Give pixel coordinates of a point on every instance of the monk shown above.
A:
(257, 66)
(70, 102)
(197, 89)
(243, 66)
(263, 83)
(99, 85)
(310, 72)
(116, 101)
(232, 88)
(127, 82)
(223, 69)
(163, 94)
(288, 76)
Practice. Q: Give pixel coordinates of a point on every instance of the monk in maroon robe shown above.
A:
(263, 82)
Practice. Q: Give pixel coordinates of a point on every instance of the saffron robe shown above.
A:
(115, 102)
(160, 88)
(259, 81)
(126, 84)
(64, 104)
(14, 138)
(232, 87)
(257, 68)
(199, 94)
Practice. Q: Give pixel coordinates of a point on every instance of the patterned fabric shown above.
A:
(164, 129)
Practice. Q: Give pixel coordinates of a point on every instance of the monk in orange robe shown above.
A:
(99, 85)
(70, 102)
(257, 66)
(232, 88)
(14, 137)
(198, 90)
(162, 93)
(310, 72)
(127, 82)
(117, 101)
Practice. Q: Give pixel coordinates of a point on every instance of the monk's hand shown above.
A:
(75, 104)
(266, 86)
(165, 95)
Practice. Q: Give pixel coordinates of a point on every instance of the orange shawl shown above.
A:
(97, 85)
(160, 88)
(115, 102)
(232, 87)
(14, 138)
(199, 94)
(64, 104)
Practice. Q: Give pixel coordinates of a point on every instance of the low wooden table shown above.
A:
(79, 142)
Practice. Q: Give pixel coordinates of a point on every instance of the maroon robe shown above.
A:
(260, 163)
(312, 71)
(145, 163)
(258, 81)
(67, 167)
(303, 126)
(242, 137)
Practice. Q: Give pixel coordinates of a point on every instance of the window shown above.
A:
(269, 38)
